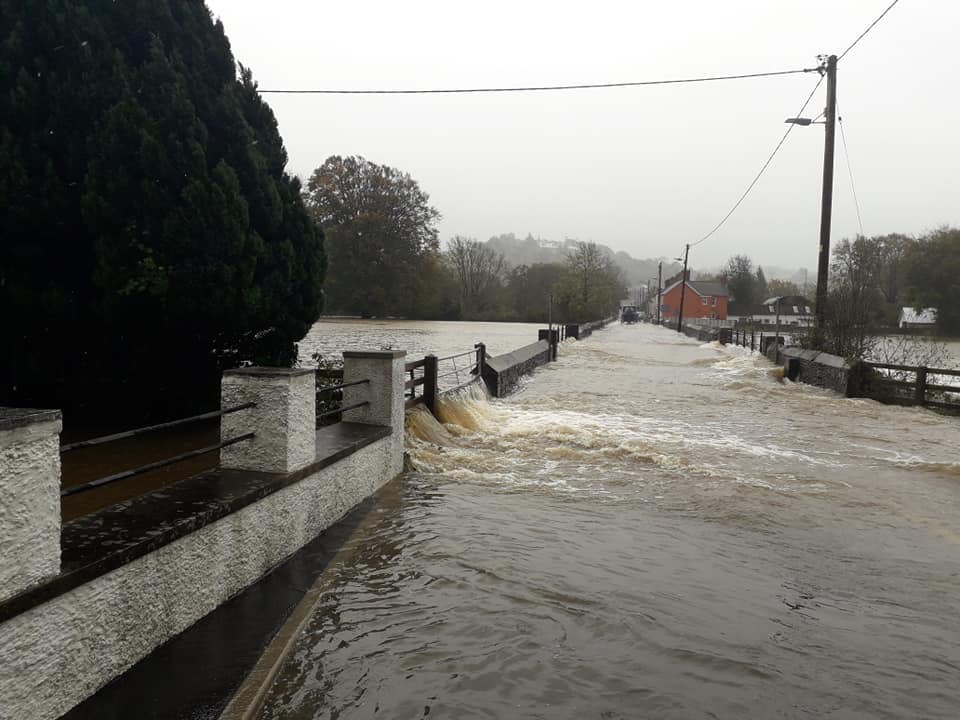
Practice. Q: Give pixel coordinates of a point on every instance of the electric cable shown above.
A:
(869, 28)
(541, 88)
(762, 169)
(846, 154)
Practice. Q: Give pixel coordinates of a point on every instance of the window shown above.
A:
(771, 308)
(714, 303)
(808, 309)
(796, 310)
(706, 301)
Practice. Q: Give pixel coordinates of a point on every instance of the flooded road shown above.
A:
(651, 527)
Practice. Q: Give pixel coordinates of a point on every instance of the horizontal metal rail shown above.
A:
(343, 409)
(462, 385)
(341, 386)
(414, 382)
(463, 354)
(458, 371)
(415, 364)
(153, 428)
(93, 484)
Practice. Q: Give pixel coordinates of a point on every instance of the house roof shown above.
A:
(708, 288)
(789, 307)
(702, 288)
(927, 316)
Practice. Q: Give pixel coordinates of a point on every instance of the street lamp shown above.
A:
(826, 203)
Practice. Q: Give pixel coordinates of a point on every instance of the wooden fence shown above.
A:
(911, 385)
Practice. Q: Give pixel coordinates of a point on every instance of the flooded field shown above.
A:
(650, 527)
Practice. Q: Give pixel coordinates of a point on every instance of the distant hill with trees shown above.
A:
(151, 235)
(531, 250)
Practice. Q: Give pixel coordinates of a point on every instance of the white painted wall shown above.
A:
(57, 654)
(29, 504)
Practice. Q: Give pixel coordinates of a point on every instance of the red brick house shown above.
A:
(701, 299)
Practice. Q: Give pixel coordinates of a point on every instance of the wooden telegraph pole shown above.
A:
(683, 287)
(826, 206)
(659, 287)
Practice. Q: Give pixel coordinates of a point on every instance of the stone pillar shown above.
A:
(384, 391)
(284, 421)
(29, 498)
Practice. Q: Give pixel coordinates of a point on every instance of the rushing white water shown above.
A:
(650, 527)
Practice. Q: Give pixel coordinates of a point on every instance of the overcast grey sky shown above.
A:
(640, 169)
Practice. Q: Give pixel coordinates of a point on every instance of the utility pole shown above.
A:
(683, 287)
(826, 206)
(659, 287)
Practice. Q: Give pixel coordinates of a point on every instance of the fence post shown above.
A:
(753, 339)
(284, 421)
(481, 358)
(430, 382)
(920, 391)
(30, 484)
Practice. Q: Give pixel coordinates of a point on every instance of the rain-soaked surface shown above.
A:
(651, 527)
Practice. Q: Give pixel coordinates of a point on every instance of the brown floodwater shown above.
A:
(651, 527)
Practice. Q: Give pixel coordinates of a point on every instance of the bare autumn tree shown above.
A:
(479, 270)
(379, 227)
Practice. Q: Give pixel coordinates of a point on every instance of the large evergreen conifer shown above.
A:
(149, 234)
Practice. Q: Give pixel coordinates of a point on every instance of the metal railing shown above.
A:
(426, 374)
(324, 412)
(457, 371)
(156, 465)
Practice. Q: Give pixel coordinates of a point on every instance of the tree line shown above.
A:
(386, 258)
(871, 280)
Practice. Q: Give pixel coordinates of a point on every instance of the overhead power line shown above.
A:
(869, 28)
(542, 88)
(846, 154)
(762, 169)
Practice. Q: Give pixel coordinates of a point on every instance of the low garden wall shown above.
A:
(138, 573)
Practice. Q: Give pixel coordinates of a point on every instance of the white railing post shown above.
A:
(384, 369)
(29, 498)
(284, 421)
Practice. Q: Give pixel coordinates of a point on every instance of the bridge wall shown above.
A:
(822, 370)
(586, 329)
(503, 372)
(162, 561)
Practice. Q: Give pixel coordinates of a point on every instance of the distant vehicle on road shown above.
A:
(629, 314)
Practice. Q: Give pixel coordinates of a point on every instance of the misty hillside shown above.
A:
(530, 250)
